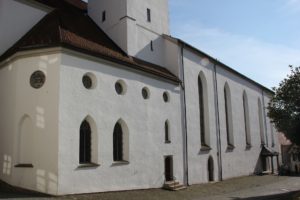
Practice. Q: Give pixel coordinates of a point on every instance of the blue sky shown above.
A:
(258, 38)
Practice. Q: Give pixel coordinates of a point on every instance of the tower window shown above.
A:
(167, 134)
(151, 45)
(148, 15)
(103, 16)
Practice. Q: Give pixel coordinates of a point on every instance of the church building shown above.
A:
(98, 97)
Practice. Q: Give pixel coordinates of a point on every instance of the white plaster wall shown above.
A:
(172, 58)
(16, 19)
(144, 118)
(126, 24)
(159, 14)
(19, 99)
(115, 26)
(197, 160)
(240, 161)
(272, 133)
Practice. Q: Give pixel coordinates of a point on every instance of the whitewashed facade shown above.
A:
(40, 133)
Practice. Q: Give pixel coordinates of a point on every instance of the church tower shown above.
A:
(135, 25)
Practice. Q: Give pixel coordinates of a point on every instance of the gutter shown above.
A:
(217, 114)
(265, 118)
(184, 121)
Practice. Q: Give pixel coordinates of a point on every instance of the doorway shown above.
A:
(210, 168)
(264, 163)
(169, 168)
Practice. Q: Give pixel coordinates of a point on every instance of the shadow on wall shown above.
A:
(286, 196)
(259, 166)
(9, 192)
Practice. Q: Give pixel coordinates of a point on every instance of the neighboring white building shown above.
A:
(99, 97)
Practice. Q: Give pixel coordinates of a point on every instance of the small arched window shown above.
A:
(228, 117)
(167, 132)
(85, 143)
(118, 142)
(121, 142)
(246, 120)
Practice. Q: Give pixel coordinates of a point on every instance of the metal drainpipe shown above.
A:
(217, 114)
(186, 165)
(265, 118)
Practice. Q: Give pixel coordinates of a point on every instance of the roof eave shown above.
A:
(217, 62)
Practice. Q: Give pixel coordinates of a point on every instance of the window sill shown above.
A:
(24, 165)
(205, 148)
(117, 163)
(88, 165)
(230, 147)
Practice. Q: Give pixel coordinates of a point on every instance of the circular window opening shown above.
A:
(120, 87)
(166, 97)
(89, 81)
(37, 79)
(145, 93)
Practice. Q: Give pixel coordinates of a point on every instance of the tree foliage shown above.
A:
(284, 107)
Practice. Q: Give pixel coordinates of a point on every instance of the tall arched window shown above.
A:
(228, 117)
(85, 143)
(261, 123)
(246, 120)
(167, 132)
(203, 110)
(118, 142)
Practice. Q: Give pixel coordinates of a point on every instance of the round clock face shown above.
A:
(37, 79)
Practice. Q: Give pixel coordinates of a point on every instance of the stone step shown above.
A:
(172, 183)
(173, 186)
(180, 188)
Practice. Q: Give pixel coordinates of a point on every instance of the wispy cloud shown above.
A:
(292, 6)
(263, 62)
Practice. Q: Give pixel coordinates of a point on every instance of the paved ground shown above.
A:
(245, 188)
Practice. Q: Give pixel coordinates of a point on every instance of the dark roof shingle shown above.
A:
(75, 30)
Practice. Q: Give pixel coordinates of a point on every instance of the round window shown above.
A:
(87, 82)
(119, 86)
(166, 97)
(145, 93)
(37, 79)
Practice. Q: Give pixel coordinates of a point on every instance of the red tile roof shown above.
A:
(73, 29)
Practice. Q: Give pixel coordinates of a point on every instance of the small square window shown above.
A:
(103, 16)
(148, 15)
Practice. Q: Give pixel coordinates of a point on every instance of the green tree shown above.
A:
(284, 107)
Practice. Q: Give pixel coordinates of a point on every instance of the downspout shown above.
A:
(185, 142)
(265, 118)
(217, 114)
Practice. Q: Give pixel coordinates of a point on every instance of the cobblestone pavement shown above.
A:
(244, 188)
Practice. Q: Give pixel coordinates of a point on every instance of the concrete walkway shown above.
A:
(248, 188)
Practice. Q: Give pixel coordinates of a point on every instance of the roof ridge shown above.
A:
(76, 31)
